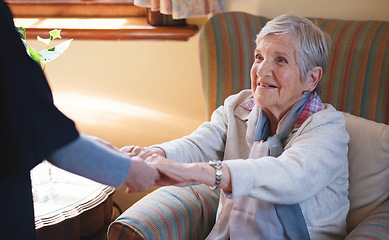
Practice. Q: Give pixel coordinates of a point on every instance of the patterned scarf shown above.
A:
(252, 217)
(290, 216)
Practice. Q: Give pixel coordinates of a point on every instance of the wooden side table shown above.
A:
(77, 208)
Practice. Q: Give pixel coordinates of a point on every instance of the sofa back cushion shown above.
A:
(369, 167)
(356, 80)
(226, 52)
(357, 76)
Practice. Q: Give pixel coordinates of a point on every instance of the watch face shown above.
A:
(215, 163)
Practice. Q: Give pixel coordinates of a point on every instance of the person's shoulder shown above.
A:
(326, 123)
(329, 112)
(327, 116)
(240, 104)
(239, 98)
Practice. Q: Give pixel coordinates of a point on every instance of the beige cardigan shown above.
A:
(312, 171)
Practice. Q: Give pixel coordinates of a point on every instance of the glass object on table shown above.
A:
(42, 182)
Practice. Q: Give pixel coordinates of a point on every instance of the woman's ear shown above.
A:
(313, 77)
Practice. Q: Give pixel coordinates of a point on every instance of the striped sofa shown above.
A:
(356, 82)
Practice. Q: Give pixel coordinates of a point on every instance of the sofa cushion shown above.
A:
(169, 213)
(375, 226)
(369, 167)
(357, 77)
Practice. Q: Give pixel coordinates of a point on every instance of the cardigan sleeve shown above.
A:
(205, 143)
(315, 156)
(208, 142)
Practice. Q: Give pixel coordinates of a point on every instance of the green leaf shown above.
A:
(22, 31)
(55, 34)
(35, 55)
(48, 54)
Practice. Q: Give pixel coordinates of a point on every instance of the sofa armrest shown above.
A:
(375, 226)
(169, 213)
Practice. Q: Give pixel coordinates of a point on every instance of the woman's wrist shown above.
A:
(226, 183)
(198, 172)
(217, 165)
(205, 173)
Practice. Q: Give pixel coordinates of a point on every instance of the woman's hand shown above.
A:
(143, 152)
(171, 172)
(175, 173)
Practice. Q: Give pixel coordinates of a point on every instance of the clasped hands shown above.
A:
(150, 167)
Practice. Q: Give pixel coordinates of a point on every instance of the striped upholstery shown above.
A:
(374, 227)
(226, 54)
(169, 213)
(356, 80)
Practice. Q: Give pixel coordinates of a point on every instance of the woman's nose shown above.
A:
(264, 69)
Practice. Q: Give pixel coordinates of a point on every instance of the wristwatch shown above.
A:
(217, 164)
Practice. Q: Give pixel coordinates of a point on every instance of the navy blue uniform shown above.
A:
(32, 128)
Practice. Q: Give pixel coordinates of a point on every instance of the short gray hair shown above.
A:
(312, 43)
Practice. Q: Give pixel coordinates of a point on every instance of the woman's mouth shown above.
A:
(266, 85)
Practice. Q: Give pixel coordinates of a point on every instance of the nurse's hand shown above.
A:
(141, 176)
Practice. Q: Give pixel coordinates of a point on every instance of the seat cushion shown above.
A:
(169, 213)
(369, 167)
(375, 226)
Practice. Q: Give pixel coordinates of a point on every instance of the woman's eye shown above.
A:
(258, 57)
(282, 60)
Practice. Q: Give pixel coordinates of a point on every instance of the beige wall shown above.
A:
(339, 9)
(130, 92)
(146, 92)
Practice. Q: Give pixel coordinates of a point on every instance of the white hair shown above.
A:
(312, 43)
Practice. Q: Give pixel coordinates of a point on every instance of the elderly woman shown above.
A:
(278, 153)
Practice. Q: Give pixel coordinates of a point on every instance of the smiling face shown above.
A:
(276, 80)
